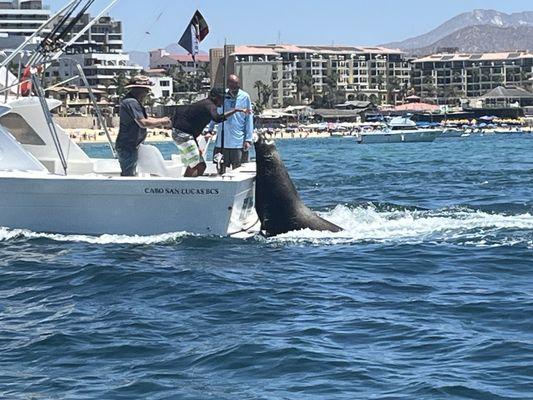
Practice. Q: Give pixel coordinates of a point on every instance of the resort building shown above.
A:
(21, 18)
(446, 78)
(76, 101)
(99, 52)
(163, 86)
(161, 58)
(507, 97)
(189, 75)
(281, 75)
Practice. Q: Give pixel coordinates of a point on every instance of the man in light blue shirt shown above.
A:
(238, 129)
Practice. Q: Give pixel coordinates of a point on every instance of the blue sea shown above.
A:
(427, 294)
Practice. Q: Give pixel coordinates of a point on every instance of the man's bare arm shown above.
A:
(152, 122)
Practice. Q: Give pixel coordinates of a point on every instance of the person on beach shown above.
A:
(134, 122)
(238, 129)
(189, 122)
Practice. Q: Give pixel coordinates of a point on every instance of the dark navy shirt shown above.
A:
(130, 134)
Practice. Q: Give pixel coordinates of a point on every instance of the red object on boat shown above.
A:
(26, 85)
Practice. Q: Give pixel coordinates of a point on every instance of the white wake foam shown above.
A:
(11, 234)
(369, 224)
(361, 224)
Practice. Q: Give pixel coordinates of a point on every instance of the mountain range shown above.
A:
(478, 30)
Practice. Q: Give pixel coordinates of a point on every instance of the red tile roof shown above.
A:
(188, 57)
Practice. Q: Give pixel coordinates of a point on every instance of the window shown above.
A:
(20, 129)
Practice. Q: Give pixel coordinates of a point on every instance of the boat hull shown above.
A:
(135, 206)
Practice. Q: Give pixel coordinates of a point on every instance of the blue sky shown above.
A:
(351, 22)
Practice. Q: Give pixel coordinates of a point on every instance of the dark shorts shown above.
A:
(127, 159)
(232, 157)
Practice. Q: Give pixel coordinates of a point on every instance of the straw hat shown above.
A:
(140, 81)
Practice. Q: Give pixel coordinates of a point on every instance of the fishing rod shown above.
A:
(42, 56)
(29, 40)
(60, 24)
(49, 40)
(81, 32)
(74, 21)
(56, 43)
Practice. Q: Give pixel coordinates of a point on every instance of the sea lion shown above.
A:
(277, 202)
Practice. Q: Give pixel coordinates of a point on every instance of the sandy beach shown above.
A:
(163, 135)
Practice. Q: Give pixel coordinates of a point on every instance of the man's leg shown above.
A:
(235, 158)
(127, 159)
(193, 172)
(245, 156)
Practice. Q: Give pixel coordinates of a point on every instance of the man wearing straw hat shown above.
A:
(134, 122)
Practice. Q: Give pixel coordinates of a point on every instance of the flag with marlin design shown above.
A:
(196, 31)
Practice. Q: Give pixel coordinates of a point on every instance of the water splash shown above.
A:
(367, 223)
(362, 224)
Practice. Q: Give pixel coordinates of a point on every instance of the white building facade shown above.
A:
(21, 18)
(445, 78)
(360, 73)
(99, 52)
(163, 86)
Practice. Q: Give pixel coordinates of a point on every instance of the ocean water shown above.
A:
(427, 294)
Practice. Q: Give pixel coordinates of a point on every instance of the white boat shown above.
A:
(49, 184)
(452, 133)
(91, 197)
(399, 130)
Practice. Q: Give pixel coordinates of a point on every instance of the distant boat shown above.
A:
(399, 130)
(452, 133)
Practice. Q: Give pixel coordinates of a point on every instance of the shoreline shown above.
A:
(161, 135)
(84, 136)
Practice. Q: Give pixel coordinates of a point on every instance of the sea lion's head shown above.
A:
(264, 148)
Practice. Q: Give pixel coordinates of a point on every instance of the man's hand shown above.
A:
(246, 111)
(247, 145)
(166, 122)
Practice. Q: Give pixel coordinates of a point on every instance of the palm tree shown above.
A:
(428, 85)
(379, 81)
(393, 86)
(120, 81)
(266, 92)
(258, 108)
(258, 85)
(374, 99)
(304, 86)
(164, 101)
(182, 81)
(263, 93)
